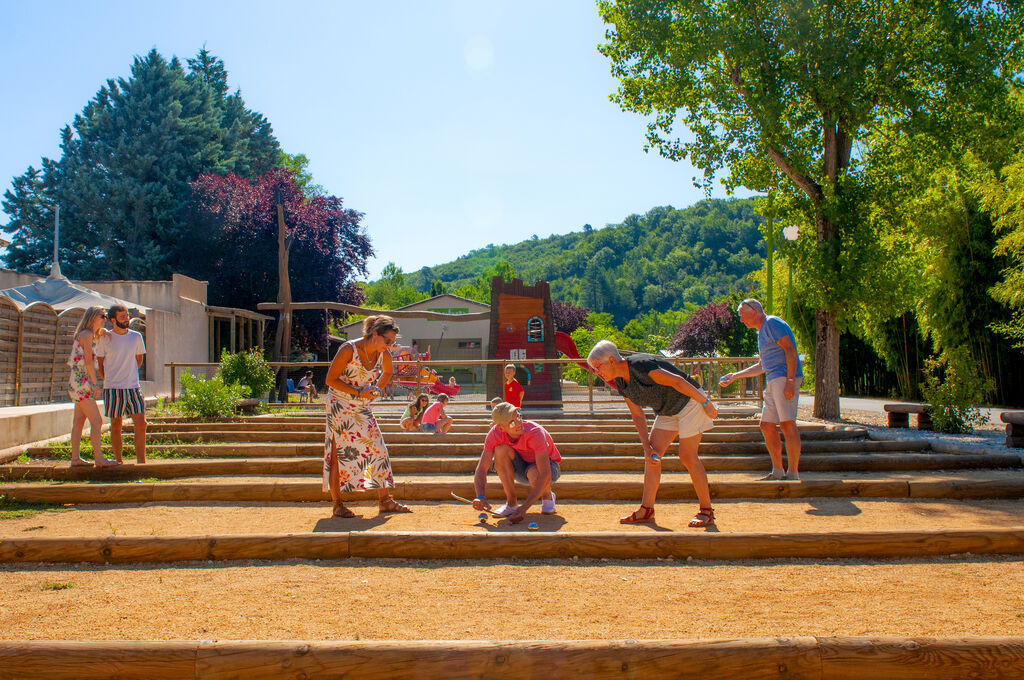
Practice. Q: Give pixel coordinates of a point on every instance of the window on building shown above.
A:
(535, 329)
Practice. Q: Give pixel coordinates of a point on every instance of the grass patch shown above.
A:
(17, 510)
(56, 585)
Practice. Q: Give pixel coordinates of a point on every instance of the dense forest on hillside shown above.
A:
(660, 260)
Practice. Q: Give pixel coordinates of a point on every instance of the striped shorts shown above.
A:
(118, 403)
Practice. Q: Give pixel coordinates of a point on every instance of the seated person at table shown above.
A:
(522, 451)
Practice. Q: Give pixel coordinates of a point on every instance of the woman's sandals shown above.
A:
(343, 512)
(645, 515)
(703, 518)
(389, 504)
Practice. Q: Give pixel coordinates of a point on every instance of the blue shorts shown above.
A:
(428, 427)
(522, 468)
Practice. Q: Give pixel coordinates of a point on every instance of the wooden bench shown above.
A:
(899, 415)
(1014, 428)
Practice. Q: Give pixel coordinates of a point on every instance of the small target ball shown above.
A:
(482, 515)
(532, 526)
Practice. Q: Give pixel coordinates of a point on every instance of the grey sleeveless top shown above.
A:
(643, 391)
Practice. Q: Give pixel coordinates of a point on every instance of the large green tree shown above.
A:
(778, 94)
(122, 181)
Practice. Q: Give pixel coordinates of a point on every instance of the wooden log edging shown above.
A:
(792, 658)
(302, 492)
(205, 467)
(454, 545)
(286, 449)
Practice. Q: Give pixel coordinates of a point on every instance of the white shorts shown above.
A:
(692, 420)
(778, 409)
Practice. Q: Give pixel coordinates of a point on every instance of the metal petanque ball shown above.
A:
(532, 526)
(482, 515)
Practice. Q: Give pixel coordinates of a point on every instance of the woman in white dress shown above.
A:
(355, 456)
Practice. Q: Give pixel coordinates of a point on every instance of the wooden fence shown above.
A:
(34, 347)
(707, 371)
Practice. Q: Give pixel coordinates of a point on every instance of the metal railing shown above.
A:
(707, 370)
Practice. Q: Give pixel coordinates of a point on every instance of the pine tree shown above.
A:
(126, 162)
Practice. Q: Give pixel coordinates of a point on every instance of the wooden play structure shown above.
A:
(521, 330)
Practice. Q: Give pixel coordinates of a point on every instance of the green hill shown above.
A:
(661, 260)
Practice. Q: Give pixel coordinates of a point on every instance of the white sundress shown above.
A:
(363, 461)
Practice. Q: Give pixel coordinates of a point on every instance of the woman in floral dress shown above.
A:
(355, 456)
(83, 388)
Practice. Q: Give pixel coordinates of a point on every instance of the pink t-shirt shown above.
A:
(432, 413)
(535, 439)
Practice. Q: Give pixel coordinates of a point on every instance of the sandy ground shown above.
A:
(554, 599)
(585, 599)
(815, 514)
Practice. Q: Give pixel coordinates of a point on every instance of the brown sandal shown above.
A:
(638, 517)
(703, 518)
(389, 504)
(343, 512)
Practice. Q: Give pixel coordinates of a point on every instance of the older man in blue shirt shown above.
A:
(779, 361)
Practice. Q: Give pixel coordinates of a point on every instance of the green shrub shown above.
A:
(952, 387)
(247, 368)
(211, 398)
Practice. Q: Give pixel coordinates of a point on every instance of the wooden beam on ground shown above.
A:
(525, 545)
(794, 658)
(299, 492)
(448, 465)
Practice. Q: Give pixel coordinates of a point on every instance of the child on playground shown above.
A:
(513, 390)
(411, 418)
(434, 419)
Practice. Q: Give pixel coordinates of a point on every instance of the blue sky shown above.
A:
(450, 124)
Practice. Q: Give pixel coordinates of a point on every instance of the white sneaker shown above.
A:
(506, 510)
(547, 506)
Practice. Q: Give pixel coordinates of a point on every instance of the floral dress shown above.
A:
(363, 461)
(79, 387)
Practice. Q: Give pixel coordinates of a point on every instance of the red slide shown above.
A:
(565, 345)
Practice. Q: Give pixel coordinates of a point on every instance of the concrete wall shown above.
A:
(13, 279)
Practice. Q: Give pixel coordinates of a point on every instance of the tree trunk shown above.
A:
(826, 366)
(826, 346)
